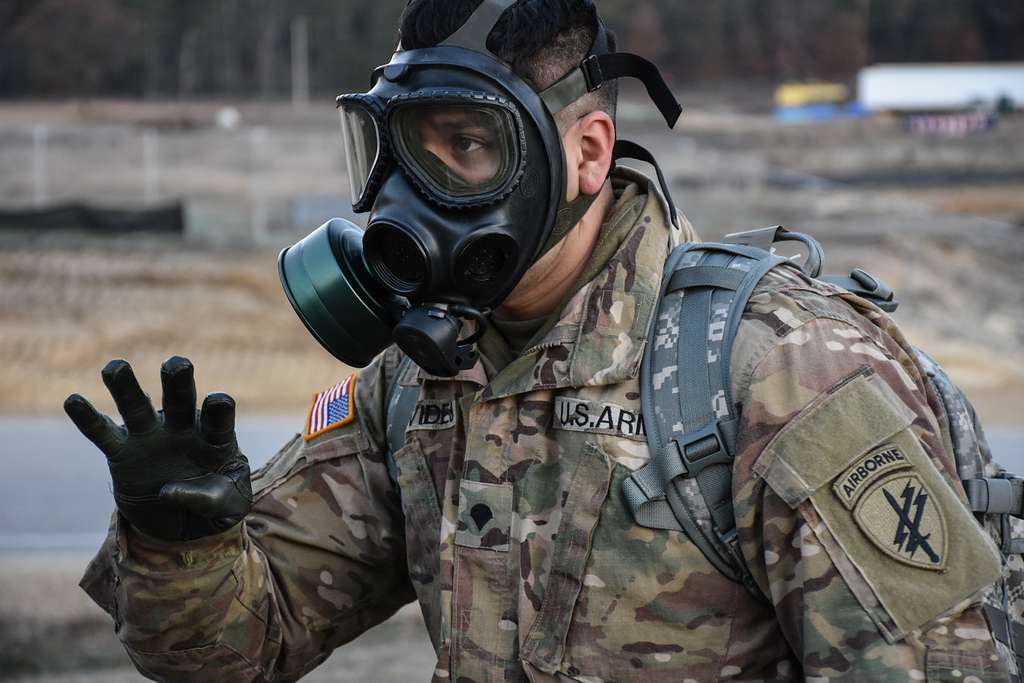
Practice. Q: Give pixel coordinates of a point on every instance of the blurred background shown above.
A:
(155, 155)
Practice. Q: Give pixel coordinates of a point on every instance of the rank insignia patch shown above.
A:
(900, 516)
(332, 408)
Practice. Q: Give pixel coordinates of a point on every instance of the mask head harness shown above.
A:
(460, 164)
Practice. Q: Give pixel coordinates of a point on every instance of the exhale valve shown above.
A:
(429, 335)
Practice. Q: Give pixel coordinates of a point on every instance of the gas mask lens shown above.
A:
(460, 149)
(361, 139)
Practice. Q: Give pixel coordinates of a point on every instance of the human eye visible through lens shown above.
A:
(466, 148)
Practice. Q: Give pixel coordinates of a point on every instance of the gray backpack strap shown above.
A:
(687, 400)
(997, 498)
(990, 490)
(401, 402)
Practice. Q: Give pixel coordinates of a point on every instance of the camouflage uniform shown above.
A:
(518, 545)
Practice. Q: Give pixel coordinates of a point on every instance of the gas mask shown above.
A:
(460, 164)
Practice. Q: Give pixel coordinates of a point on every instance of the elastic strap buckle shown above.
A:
(592, 73)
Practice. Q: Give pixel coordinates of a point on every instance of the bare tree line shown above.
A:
(243, 48)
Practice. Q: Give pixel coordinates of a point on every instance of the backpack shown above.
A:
(691, 422)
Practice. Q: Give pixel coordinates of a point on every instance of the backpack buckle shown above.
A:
(703, 448)
(875, 288)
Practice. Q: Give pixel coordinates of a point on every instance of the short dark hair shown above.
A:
(541, 39)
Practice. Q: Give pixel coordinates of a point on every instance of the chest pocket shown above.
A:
(584, 486)
(904, 542)
(485, 515)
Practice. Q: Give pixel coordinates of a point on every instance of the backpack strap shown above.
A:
(767, 238)
(1008, 632)
(401, 402)
(624, 149)
(687, 401)
(997, 501)
(686, 391)
(997, 496)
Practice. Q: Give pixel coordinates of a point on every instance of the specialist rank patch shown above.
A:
(856, 479)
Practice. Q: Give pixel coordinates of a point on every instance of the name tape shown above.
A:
(576, 415)
(436, 415)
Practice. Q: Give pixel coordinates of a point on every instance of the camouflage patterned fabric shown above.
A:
(520, 548)
(966, 439)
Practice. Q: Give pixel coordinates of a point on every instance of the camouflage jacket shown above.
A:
(510, 529)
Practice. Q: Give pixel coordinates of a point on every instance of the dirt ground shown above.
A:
(66, 308)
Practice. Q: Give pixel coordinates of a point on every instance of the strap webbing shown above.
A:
(571, 213)
(623, 65)
(565, 91)
(473, 34)
(687, 404)
(707, 276)
(401, 401)
(626, 149)
(1008, 633)
(598, 69)
(568, 216)
(700, 381)
(996, 496)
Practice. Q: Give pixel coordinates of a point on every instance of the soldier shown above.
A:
(503, 515)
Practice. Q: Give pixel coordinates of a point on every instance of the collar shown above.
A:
(601, 331)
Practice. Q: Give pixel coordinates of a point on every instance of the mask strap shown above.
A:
(597, 69)
(571, 213)
(568, 216)
(624, 149)
(474, 33)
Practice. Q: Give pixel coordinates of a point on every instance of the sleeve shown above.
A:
(848, 509)
(318, 560)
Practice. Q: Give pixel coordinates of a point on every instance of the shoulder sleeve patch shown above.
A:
(332, 408)
(892, 525)
(900, 516)
(831, 435)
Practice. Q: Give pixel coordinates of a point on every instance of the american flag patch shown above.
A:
(332, 408)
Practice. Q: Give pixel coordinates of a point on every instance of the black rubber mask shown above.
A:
(460, 164)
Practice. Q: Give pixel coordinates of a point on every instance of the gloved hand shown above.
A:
(178, 475)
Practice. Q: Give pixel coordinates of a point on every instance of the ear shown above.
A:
(596, 133)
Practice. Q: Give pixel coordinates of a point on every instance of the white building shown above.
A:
(939, 87)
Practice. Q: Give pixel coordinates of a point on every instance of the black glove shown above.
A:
(177, 475)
